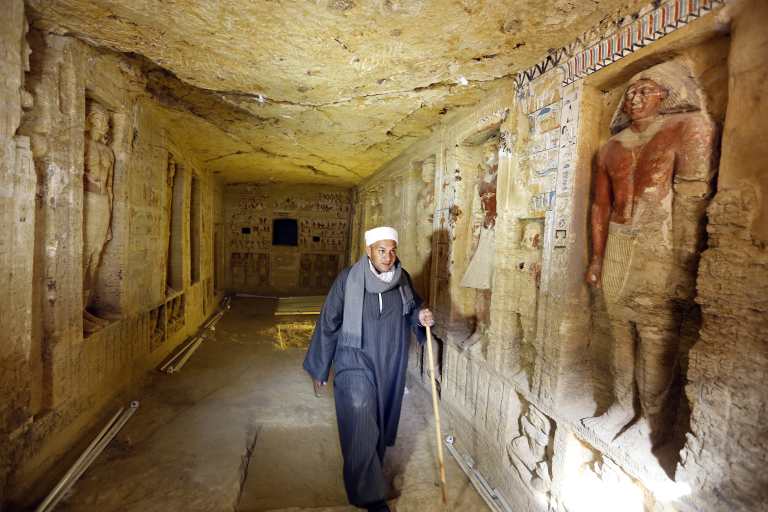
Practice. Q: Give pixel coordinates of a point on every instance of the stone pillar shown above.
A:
(724, 457)
(56, 128)
(18, 186)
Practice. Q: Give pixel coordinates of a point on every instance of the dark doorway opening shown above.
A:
(285, 232)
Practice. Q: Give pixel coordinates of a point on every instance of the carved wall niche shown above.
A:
(104, 210)
(195, 229)
(175, 206)
(645, 243)
(477, 160)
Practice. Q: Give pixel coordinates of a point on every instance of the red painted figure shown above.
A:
(650, 189)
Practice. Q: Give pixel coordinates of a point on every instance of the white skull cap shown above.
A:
(381, 233)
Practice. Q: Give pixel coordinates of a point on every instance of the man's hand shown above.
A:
(318, 386)
(426, 318)
(595, 274)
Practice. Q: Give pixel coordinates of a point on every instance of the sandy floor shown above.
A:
(239, 428)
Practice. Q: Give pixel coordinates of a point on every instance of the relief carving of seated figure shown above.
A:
(650, 190)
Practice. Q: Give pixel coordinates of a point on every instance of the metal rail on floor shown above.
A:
(492, 496)
(102, 439)
(179, 358)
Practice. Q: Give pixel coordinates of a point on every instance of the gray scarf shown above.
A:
(360, 280)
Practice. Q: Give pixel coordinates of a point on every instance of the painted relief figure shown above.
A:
(528, 452)
(525, 289)
(97, 205)
(650, 190)
(479, 273)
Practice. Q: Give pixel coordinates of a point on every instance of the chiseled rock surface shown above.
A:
(329, 90)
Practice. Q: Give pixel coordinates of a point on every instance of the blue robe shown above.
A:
(368, 382)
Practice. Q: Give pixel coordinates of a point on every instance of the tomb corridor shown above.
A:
(580, 191)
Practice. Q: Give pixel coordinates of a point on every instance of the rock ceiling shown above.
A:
(322, 91)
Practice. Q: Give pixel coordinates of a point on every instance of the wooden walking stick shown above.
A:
(440, 461)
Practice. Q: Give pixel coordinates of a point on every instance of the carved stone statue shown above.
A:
(479, 273)
(97, 205)
(650, 190)
(525, 288)
(528, 452)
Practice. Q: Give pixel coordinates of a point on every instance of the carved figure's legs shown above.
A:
(657, 357)
(623, 363)
(621, 412)
(483, 318)
(645, 352)
(95, 229)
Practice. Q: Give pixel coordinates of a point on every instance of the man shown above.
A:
(364, 331)
(650, 191)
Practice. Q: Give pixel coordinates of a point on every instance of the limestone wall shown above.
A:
(17, 208)
(65, 366)
(519, 388)
(258, 262)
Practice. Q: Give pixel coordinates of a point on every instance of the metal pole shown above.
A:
(492, 497)
(103, 442)
(184, 347)
(180, 357)
(83, 456)
(87, 457)
(181, 362)
(108, 438)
